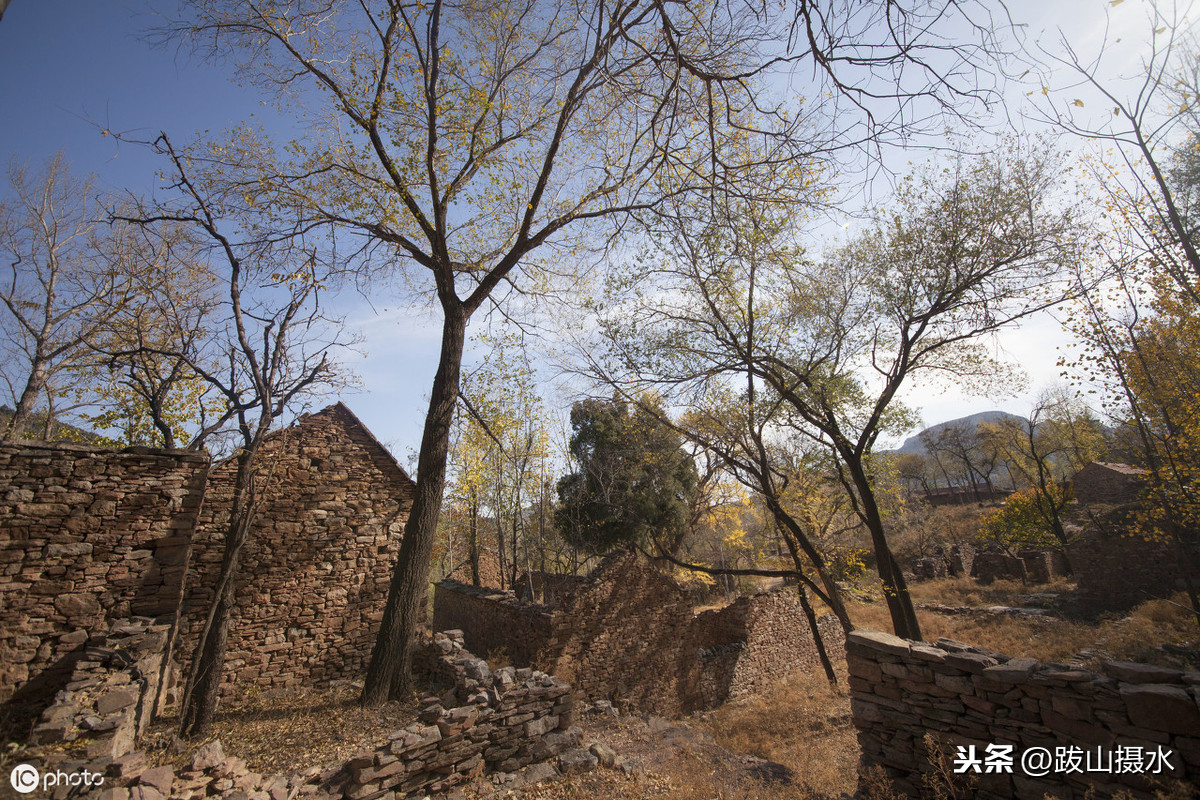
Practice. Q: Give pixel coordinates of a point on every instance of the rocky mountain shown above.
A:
(913, 443)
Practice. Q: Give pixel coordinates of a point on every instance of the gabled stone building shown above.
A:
(314, 573)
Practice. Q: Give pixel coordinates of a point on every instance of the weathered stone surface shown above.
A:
(1015, 670)
(604, 754)
(325, 574)
(1130, 672)
(577, 760)
(1161, 707)
(970, 699)
(867, 640)
(160, 778)
(208, 756)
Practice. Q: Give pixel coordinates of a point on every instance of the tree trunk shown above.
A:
(389, 675)
(474, 544)
(23, 413)
(895, 589)
(818, 640)
(208, 660)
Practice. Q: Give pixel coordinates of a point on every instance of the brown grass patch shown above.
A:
(1133, 637)
(801, 722)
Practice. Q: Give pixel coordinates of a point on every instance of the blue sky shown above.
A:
(70, 67)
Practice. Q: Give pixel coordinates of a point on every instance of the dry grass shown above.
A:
(802, 723)
(1133, 637)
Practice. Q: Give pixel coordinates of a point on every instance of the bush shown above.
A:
(1023, 519)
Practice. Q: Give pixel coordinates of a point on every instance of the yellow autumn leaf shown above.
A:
(1078, 103)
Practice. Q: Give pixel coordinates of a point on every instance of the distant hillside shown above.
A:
(60, 431)
(913, 443)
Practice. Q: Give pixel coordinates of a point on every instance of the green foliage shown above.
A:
(1022, 520)
(635, 482)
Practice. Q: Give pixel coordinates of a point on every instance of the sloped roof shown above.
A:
(387, 458)
(383, 457)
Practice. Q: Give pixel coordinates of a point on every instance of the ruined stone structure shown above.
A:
(87, 536)
(315, 570)
(629, 635)
(497, 623)
(903, 691)
(1116, 569)
(546, 587)
(497, 721)
(1101, 482)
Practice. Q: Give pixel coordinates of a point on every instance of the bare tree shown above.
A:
(267, 346)
(64, 283)
(1138, 313)
(732, 297)
(478, 145)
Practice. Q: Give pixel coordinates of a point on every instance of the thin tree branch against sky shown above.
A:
(71, 67)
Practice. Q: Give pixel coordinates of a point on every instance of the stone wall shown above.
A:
(1114, 484)
(903, 691)
(510, 718)
(111, 696)
(87, 536)
(1115, 572)
(546, 587)
(316, 566)
(506, 720)
(628, 635)
(498, 621)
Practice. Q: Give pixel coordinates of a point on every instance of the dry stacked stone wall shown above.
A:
(109, 701)
(903, 692)
(498, 621)
(315, 569)
(87, 536)
(628, 635)
(1111, 484)
(1115, 572)
(496, 721)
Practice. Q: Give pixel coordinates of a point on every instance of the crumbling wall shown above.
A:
(628, 635)
(87, 535)
(1115, 572)
(497, 621)
(902, 691)
(546, 587)
(778, 641)
(507, 719)
(112, 694)
(315, 569)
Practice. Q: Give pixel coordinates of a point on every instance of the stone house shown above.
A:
(1101, 482)
(315, 571)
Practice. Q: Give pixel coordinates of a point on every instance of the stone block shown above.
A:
(1161, 707)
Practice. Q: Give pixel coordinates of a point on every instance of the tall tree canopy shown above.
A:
(476, 147)
(635, 483)
(823, 348)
